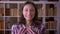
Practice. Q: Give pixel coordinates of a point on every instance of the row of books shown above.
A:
(12, 20)
(11, 5)
(11, 12)
(14, 12)
(51, 25)
(51, 10)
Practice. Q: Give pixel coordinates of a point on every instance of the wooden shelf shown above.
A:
(36, 2)
(11, 13)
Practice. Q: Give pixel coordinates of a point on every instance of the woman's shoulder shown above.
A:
(14, 25)
(17, 25)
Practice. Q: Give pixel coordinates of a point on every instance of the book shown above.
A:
(55, 11)
(40, 12)
(7, 11)
(53, 24)
(1, 24)
(13, 6)
(15, 12)
(47, 7)
(50, 9)
(46, 25)
(1, 11)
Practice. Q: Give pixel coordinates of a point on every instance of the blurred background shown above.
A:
(48, 14)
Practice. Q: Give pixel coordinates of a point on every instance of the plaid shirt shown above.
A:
(36, 30)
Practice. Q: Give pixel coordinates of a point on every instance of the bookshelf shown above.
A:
(11, 11)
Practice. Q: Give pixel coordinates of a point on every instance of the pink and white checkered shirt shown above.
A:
(36, 30)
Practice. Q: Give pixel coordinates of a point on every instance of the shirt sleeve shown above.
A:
(13, 29)
(42, 30)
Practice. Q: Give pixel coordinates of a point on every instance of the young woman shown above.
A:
(28, 24)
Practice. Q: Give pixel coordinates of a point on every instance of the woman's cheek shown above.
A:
(25, 14)
(33, 14)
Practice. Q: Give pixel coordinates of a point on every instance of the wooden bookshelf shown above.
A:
(15, 12)
(1, 24)
(1, 11)
(10, 21)
(11, 11)
(51, 25)
(51, 10)
(7, 12)
(40, 9)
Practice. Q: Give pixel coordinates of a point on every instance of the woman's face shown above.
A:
(28, 12)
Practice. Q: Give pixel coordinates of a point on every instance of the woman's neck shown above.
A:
(28, 23)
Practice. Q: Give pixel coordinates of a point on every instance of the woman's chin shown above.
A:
(29, 19)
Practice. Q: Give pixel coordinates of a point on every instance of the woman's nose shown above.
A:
(29, 11)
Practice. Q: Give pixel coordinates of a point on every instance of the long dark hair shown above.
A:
(23, 21)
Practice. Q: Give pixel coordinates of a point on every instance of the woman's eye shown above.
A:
(31, 10)
(26, 10)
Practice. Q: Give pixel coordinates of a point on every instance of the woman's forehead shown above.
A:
(29, 6)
